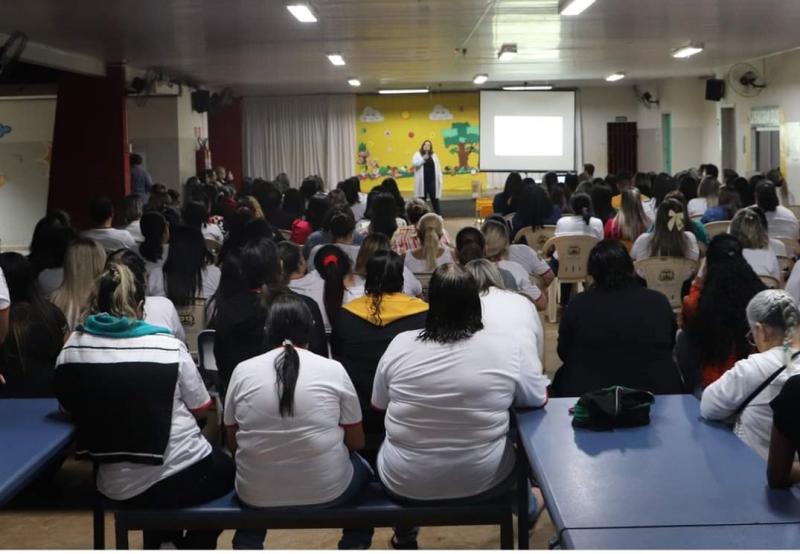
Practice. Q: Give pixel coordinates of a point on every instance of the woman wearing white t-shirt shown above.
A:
(669, 237)
(707, 197)
(294, 428)
(496, 235)
(774, 323)
(447, 391)
(431, 254)
(582, 223)
(747, 226)
(781, 222)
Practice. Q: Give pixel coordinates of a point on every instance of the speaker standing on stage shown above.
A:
(428, 175)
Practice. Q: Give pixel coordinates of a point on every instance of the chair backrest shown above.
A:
(206, 360)
(424, 280)
(716, 228)
(509, 217)
(792, 246)
(667, 275)
(193, 319)
(538, 238)
(770, 281)
(573, 256)
(795, 210)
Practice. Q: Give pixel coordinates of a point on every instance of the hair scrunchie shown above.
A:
(330, 259)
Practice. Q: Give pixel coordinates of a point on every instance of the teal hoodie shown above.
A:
(106, 325)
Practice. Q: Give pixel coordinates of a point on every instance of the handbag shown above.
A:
(606, 409)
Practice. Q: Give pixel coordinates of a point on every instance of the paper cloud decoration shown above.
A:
(371, 115)
(439, 113)
(4, 130)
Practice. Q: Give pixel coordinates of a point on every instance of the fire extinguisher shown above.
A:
(202, 157)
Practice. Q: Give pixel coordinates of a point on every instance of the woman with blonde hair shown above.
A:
(630, 221)
(707, 197)
(83, 263)
(252, 205)
(748, 226)
(431, 254)
(497, 248)
(670, 236)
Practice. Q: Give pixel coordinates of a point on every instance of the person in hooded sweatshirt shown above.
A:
(365, 327)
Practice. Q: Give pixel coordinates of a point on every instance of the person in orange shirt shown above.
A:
(714, 315)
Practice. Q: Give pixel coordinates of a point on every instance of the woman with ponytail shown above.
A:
(294, 424)
(431, 254)
(366, 326)
(749, 226)
(335, 268)
(583, 221)
(114, 365)
(774, 322)
(670, 236)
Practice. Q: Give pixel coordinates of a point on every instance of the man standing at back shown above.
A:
(141, 182)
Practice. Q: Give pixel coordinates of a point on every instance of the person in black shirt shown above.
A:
(427, 175)
(784, 441)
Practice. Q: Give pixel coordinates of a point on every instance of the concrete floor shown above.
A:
(56, 514)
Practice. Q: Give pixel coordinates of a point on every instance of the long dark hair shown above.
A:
(601, 202)
(318, 206)
(19, 277)
(720, 327)
(51, 236)
(582, 206)
(534, 207)
(384, 276)
(248, 269)
(455, 306)
(766, 196)
(183, 270)
(153, 226)
(421, 146)
(384, 213)
(289, 323)
(195, 214)
(390, 186)
(333, 265)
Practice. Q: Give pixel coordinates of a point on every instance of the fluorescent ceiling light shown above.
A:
(507, 52)
(403, 91)
(687, 51)
(530, 87)
(615, 77)
(336, 59)
(302, 13)
(354, 82)
(574, 7)
(480, 78)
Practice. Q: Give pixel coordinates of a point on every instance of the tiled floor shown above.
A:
(56, 514)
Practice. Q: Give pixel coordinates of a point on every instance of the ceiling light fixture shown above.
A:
(574, 7)
(687, 51)
(353, 82)
(507, 52)
(480, 78)
(529, 87)
(404, 91)
(302, 13)
(615, 77)
(336, 59)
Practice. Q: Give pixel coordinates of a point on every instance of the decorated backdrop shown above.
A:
(389, 129)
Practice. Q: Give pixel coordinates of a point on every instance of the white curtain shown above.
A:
(300, 136)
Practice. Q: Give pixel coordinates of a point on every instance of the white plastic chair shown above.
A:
(667, 275)
(538, 238)
(573, 259)
(716, 228)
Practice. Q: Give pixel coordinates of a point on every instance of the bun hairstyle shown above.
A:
(777, 310)
(289, 323)
(333, 265)
(430, 229)
(384, 276)
(117, 292)
(340, 222)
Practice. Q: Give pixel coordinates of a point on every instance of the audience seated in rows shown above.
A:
(101, 214)
(406, 237)
(669, 237)
(781, 222)
(430, 254)
(748, 228)
(83, 263)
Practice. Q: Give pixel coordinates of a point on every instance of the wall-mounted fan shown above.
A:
(746, 80)
(12, 50)
(646, 98)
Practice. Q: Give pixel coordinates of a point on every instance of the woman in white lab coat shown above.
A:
(427, 175)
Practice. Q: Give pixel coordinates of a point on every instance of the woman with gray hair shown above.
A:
(508, 312)
(743, 393)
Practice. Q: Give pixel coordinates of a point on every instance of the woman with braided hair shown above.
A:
(744, 392)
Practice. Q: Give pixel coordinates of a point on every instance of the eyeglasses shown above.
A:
(750, 339)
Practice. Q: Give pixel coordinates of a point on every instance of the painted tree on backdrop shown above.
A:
(463, 139)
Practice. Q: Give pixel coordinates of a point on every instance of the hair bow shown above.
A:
(675, 220)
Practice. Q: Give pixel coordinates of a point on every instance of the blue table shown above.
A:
(679, 471)
(762, 537)
(32, 434)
